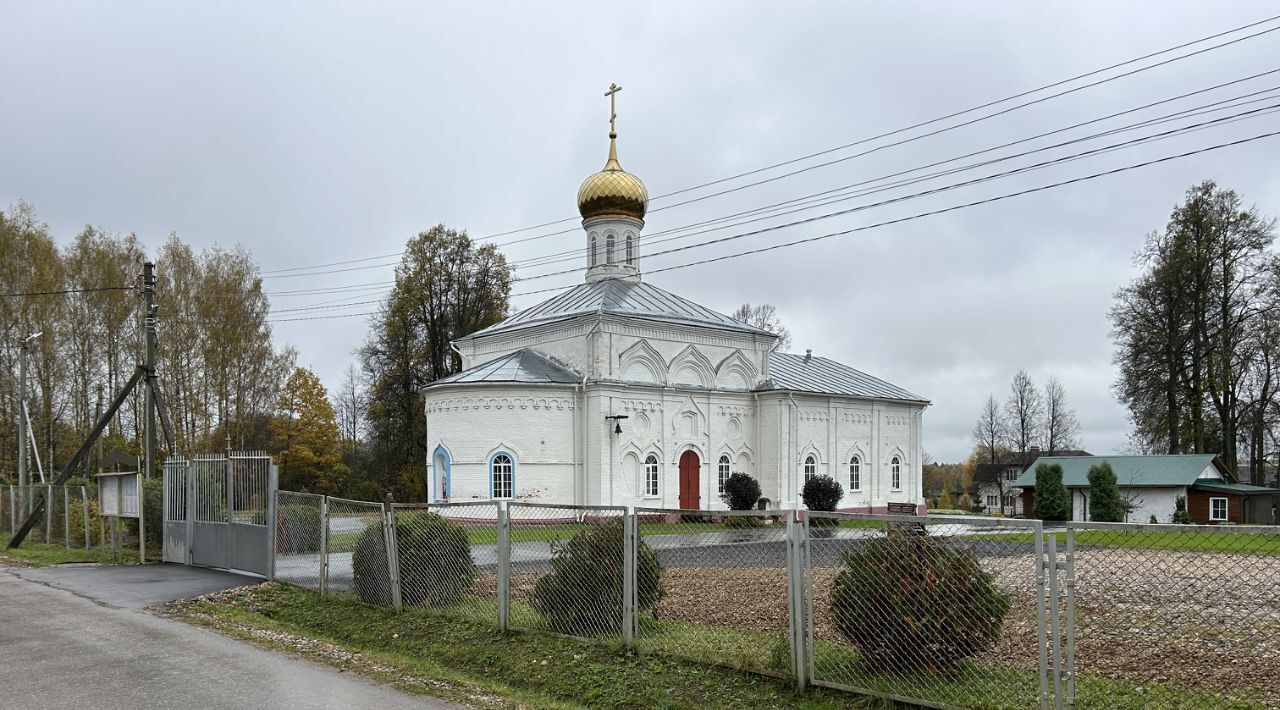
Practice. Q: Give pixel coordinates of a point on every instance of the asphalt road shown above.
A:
(76, 650)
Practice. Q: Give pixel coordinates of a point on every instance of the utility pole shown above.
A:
(149, 367)
(97, 414)
(22, 429)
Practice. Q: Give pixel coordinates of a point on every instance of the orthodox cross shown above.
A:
(613, 106)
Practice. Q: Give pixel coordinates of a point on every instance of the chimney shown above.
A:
(1034, 452)
(808, 355)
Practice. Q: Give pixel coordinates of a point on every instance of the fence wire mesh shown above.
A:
(936, 611)
(299, 528)
(1167, 616)
(8, 509)
(717, 588)
(447, 558)
(357, 551)
(567, 565)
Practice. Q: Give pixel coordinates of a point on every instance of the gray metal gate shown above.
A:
(220, 511)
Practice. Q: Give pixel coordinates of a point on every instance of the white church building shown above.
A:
(617, 392)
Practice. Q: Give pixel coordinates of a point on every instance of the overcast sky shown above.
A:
(316, 132)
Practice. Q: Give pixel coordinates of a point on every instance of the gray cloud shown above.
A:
(315, 133)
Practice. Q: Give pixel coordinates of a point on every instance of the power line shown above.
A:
(279, 273)
(68, 291)
(908, 218)
(1182, 130)
(826, 197)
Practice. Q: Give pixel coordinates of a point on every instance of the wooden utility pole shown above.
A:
(149, 367)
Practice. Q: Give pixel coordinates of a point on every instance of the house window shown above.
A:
(591, 257)
(895, 474)
(1008, 500)
(651, 476)
(810, 467)
(723, 470)
(631, 250)
(855, 473)
(502, 476)
(1218, 509)
(1011, 475)
(993, 501)
(608, 248)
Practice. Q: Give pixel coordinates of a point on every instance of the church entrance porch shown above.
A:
(690, 497)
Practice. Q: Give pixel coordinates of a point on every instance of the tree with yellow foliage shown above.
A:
(304, 435)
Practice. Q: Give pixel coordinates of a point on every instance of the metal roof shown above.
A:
(1168, 470)
(800, 373)
(522, 367)
(616, 296)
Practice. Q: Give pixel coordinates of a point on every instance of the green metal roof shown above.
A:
(1169, 470)
(1242, 488)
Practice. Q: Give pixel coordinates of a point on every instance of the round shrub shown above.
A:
(583, 593)
(298, 528)
(911, 603)
(436, 568)
(822, 493)
(740, 491)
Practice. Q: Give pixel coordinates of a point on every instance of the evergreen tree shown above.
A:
(1180, 515)
(1052, 501)
(1105, 505)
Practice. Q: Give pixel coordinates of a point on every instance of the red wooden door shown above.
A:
(690, 499)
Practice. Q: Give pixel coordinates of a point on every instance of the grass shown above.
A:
(346, 541)
(462, 648)
(1189, 541)
(38, 554)
(431, 651)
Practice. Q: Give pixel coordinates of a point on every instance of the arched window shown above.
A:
(631, 250)
(855, 473)
(502, 476)
(723, 469)
(810, 467)
(608, 248)
(651, 476)
(591, 257)
(895, 473)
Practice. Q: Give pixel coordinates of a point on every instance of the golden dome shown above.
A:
(613, 192)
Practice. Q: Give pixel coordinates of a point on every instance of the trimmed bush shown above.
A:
(582, 595)
(1105, 505)
(1052, 502)
(740, 492)
(909, 603)
(822, 493)
(1180, 514)
(435, 562)
(303, 525)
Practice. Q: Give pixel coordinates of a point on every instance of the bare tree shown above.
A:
(1061, 429)
(350, 400)
(765, 317)
(1025, 411)
(990, 434)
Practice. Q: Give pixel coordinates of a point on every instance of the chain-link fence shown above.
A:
(943, 611)
(69, 519)
(447, 558)
(933, 611)
(300, 539)
(1168, 616)
(714, 588)
(356, 551)
(568, 570)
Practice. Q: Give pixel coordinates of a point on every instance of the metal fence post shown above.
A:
(629, 578)
(1055, 635)
(393, 553)
(84, 508)
(66, 520)
(272, 529)
(13, 510)
(324, 545)
(504, 566)
(1070, 584)
(48, 514)
(192, 506)
(795, 598)
(1042, 641)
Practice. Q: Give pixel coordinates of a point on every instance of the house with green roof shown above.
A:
(1152, 485)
